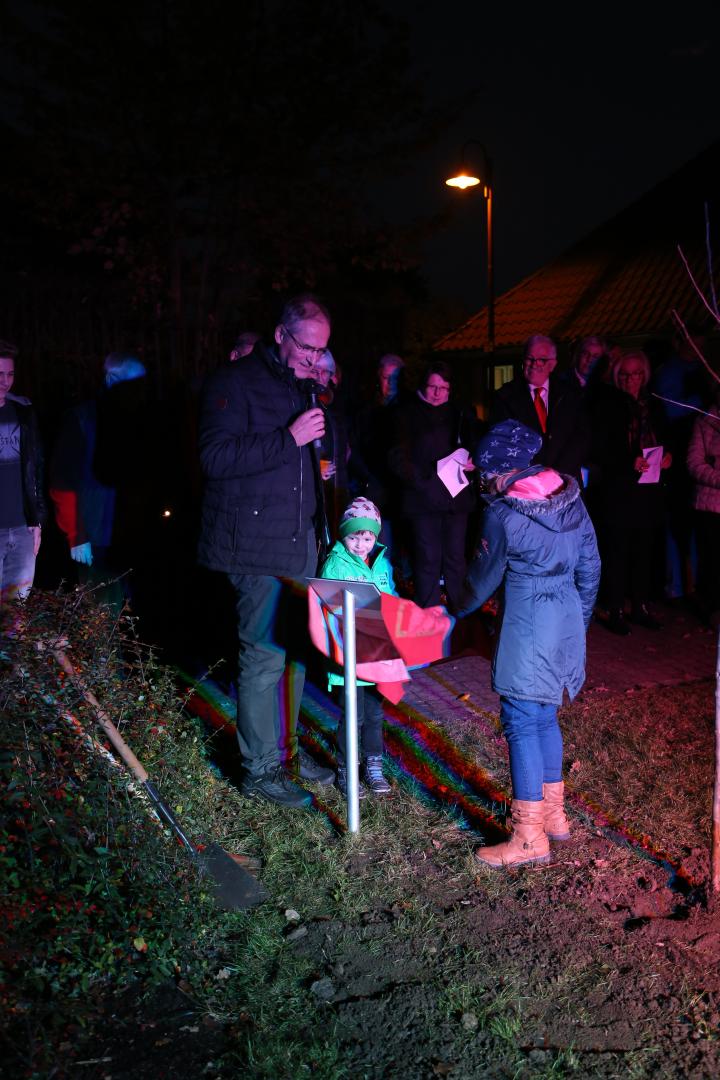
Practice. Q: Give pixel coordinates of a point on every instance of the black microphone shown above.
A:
(313, 388)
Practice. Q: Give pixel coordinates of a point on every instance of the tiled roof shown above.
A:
(623, 279)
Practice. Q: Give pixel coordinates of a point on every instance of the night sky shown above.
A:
(580, 115)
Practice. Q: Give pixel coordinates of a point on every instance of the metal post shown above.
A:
(490, 270)
(351, 726)
(715, 842)
(463, 181)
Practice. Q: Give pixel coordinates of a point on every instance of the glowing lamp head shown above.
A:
(462, 181)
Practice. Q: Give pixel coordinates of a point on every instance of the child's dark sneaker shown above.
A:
(341, 783)
(373, 775)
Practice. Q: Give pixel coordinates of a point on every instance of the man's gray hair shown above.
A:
(390, 360)
(8, 351)
(584, 343)
(326, 362)
(538, 339)
(301, 308)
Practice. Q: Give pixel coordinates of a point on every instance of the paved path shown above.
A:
(682, 651)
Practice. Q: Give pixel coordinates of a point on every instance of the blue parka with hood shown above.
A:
(545, 552)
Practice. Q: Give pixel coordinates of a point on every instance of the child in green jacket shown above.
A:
(357, 556)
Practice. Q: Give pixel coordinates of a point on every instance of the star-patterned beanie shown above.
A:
(360, 516)
(507, 446)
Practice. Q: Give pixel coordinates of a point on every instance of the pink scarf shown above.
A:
(540, 486)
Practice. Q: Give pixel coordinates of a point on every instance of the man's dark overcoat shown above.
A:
(260, 498)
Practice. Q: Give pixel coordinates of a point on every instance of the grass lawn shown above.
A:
(389, 953)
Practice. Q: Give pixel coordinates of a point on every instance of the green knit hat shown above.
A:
(360, 516)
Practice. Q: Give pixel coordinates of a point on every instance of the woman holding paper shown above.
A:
(632, 506)
(436, 499)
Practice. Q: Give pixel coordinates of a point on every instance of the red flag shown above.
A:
(385, 642)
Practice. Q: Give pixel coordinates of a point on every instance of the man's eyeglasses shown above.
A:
(311, 353)
(539, 360)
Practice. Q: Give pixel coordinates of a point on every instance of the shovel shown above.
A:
(233, 887)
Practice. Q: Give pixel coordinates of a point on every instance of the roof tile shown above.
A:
(623, 279)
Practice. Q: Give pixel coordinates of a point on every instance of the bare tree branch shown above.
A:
(683, 405)
(708, 248)
(695, 285)
(681, 325)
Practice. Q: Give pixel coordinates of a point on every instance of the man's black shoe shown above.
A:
(642, 617)
(617, 624)
(277, 787)
(308, 769)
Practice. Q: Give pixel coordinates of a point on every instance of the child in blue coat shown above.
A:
(537, 542)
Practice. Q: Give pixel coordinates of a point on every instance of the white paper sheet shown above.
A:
(653, 455)
(451, 472)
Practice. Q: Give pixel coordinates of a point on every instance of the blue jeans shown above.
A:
(17, 566)
(535, 743)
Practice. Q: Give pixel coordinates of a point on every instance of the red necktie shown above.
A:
(540, 408)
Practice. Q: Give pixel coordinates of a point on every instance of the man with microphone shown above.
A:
(261, 515)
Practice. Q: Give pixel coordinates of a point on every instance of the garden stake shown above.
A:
(233, 887)
(715, 849)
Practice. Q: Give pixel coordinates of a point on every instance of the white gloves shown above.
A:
(82, 554)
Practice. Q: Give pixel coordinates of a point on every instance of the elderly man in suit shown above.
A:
(552, 407)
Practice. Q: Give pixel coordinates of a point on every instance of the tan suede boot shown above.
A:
(528, 842)
(557, 825)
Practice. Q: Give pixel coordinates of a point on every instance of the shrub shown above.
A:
(98, 896)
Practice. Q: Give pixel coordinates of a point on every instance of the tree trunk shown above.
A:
(715, 850)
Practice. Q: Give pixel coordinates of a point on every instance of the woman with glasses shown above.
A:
(431, 427)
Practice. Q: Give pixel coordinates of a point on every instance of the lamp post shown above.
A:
(465, 179)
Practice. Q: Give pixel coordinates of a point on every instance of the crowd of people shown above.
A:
(457, 508)
(596, 485)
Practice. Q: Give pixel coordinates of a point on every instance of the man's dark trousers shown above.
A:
(272, 621)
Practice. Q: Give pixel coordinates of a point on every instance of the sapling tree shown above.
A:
(710, 303)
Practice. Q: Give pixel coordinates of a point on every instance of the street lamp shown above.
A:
(465, 179)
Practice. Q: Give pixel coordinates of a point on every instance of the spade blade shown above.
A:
(234, 888)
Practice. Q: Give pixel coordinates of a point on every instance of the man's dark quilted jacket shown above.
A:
(259, 497)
